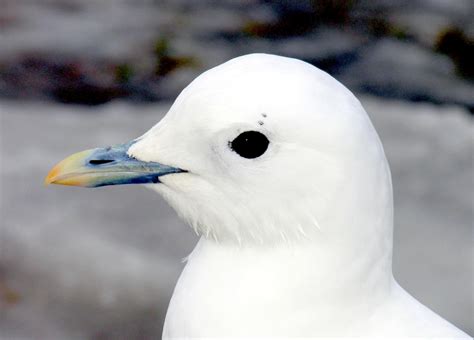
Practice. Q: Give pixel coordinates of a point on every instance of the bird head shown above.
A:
(259, 149)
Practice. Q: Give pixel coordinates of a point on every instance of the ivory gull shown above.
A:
(278, 168)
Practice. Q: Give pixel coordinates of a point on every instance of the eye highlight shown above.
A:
(250, 144)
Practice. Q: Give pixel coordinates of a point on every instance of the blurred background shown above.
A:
(75, 74)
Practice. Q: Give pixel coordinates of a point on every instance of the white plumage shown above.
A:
(296, 242)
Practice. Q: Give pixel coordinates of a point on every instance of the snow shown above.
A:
(103, 262)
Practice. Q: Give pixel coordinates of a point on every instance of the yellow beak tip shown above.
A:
(61, 172)
(52, 176)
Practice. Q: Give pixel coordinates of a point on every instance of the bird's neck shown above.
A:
(324, 272)
(321, 285)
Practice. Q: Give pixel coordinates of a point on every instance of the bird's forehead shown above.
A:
(251, 85)
(216, 105)
(238, 102)
(278, 95)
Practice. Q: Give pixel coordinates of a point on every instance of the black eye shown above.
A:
(250, 144)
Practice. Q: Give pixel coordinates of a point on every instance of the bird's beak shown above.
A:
(106, 166)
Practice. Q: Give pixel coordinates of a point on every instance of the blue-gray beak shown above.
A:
(107, 166)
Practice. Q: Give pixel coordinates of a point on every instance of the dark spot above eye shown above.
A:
(100, 161)
(260, 122)
(264, 115)
(250, 144)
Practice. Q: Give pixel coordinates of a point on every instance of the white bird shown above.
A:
(278, 168)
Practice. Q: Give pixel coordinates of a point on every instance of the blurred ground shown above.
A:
(101, 264)
(90, 52)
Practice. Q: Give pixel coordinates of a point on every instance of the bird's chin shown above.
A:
(172, 183)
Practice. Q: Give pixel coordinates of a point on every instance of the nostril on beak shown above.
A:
(100, 161)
